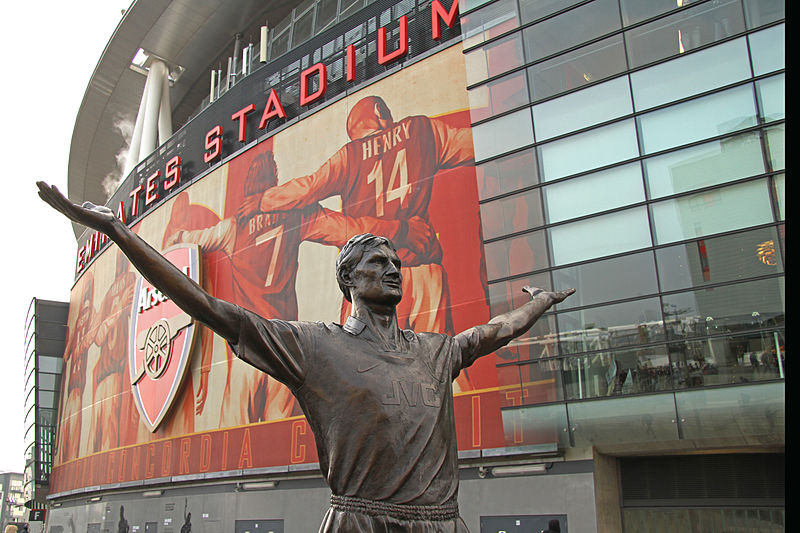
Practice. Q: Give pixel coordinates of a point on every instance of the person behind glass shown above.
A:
(391, 462)
(553, 526)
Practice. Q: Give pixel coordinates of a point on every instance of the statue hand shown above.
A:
(97, 217)
(556, 297)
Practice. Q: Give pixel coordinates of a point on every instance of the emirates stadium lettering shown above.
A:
(160, 183)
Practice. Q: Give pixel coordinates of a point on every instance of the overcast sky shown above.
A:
(51, 49)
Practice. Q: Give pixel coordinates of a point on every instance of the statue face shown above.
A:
(377, 278)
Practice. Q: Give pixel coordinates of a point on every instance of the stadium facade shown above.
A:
(631, 149)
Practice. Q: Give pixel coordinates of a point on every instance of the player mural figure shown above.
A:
(379, 399)
(263, 251)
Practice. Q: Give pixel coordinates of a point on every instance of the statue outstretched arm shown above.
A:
(500, 330)
(219, 315)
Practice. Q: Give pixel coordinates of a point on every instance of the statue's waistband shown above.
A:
(446, 511)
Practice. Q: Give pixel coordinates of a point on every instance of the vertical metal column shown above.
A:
(154, 119)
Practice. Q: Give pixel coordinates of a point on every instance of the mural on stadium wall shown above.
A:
(269, 224)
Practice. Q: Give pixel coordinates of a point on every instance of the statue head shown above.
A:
(368, 116)
(352, 254)
(262, 174)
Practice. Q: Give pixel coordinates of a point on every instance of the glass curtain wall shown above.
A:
(634, 150)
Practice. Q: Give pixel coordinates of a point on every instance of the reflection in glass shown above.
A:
(577, 110)
(706, 213)
(646, 418)
(729, 359)
(595, 237)
(538, 382)
(511, 214)
(502, 134)
(612, 279)
(695, 120)
(744, 411)
(535, 9)
(588, 150)
(593, 193)
(494, 58)
(684, 31)
(574, 69)
(571, 28)
(544, 424)
(540, 341)
(498, 96)
(506, 174)
(720, 259)
(762, 12)
(494, 19)
(690, 74)
(728, 309)
(704, 165)
(779, 191)
(516, 255)
(634, 11)
(610, 326)
(776, 146)
(620, 372)
(772, 98)
(768, 50)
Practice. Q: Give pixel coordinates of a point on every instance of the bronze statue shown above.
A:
(379, 399)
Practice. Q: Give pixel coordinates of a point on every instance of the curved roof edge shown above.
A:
(194, 35)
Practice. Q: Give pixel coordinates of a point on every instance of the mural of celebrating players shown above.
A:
(269, 224)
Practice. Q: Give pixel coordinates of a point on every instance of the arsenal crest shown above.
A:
(161, 340)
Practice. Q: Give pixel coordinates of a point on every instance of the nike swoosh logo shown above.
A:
(362, 370)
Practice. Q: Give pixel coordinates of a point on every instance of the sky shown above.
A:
(51, 49)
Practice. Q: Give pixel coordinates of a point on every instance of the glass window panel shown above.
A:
(46, 398)
(47, 381)
(779, 186)
(610, 326)
(695, 120)
(768, 50)
(535, 9)
(511, 214)
(704, 165)
(49, 364)
(498, 96)
(507, 174)
(776, 146)
(545, 424)
(772, 98)
(726, 309)
(613, 279)
(577, 110)
(648, 418)
(710, 212)
(727, 258)
(490, 21)
(619, 372)
(690, 74)
(326, 15)
(468, 5)
(728, 359)
(600, 191)
(303, 27)
(634, 11)
(585, 65)
(692, 28)
(588, 150)
(574, 27)
(494, 58)
(517, 255)
(605, 235)
(502, 134)
(752, 410)
(761, 12)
